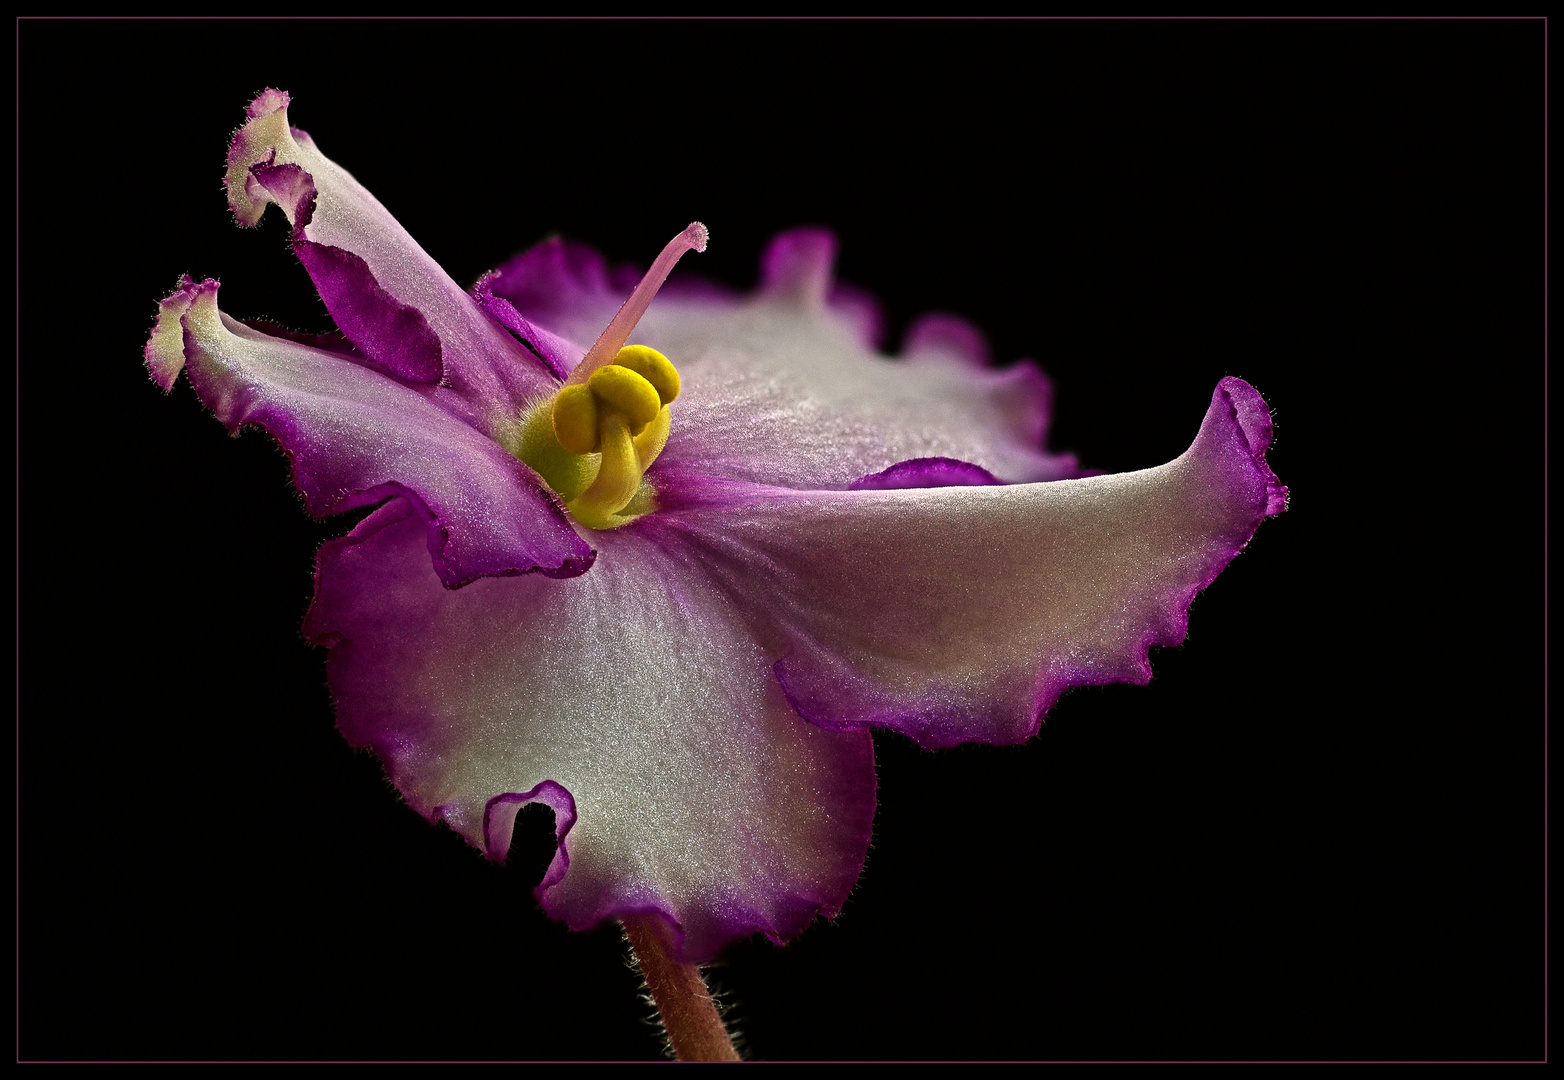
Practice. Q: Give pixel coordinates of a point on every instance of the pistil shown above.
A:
(593, 441)
(619, 328)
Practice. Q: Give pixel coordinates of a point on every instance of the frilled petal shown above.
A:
(558, 355)
(962, 613)
(356, 436)
(926, 473)
(386, 294)
(785, 388)
(631, 699)
(564, 286)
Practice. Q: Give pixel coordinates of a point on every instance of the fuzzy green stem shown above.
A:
(687, 1011)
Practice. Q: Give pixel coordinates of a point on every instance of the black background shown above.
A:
(1317, 834)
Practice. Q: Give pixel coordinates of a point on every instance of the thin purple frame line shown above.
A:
(1545, 534)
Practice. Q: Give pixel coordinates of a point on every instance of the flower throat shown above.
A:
(594, 439)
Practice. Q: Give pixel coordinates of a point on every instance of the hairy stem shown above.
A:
(679, 992)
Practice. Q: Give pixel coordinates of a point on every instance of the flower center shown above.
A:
(593, 441)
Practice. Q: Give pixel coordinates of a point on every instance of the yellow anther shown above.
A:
(652, 366)
(623, 390)
(575, 420)
(650, 442)
(617, 481)
(593, 442)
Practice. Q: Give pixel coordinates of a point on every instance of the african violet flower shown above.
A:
(668, 589)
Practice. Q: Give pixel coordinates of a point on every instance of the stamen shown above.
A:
(618, 331)
(593, 440)
(593, 443)
(618, 479)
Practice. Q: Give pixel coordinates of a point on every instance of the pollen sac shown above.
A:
(576, 421)
(652, 366)
(631, 394)
(594, 441)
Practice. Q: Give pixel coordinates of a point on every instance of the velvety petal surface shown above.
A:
(785, 387)
(356, 436)
(956, 614)
(632, 699)
(383, 290)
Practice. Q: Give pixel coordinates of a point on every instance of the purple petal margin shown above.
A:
(928, 472)
(1234, 438)
(703, 934)
(800, 264)
(485, 515)
(392, 334)
(499, 823)
(944, 334)
(334, 342)
(1254, 423)
(557, 354)
(556, 279)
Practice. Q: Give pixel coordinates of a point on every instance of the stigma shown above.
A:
(593, 439)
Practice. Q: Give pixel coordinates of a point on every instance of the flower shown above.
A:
(668, 589)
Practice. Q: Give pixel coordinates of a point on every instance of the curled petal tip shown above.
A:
(267, 102)
(1253, 417)
(164, 352)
